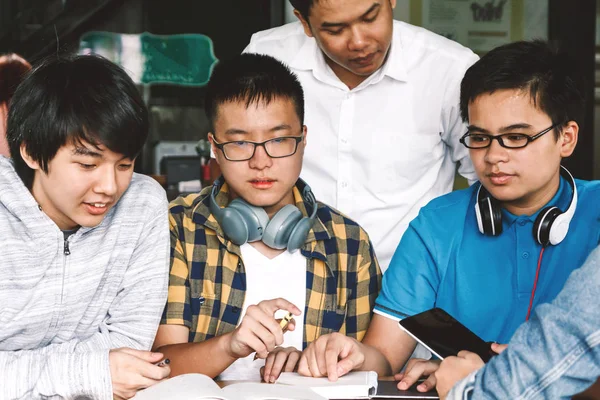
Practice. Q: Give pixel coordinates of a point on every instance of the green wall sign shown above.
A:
(185, 59)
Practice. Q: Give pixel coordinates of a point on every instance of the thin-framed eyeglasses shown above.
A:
(243, 150)
(507, 140)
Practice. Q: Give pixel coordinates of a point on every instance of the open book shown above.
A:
(201, 387)
(355, 385)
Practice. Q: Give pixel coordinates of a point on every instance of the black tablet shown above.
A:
(444, 336)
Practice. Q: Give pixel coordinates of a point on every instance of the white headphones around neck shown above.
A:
(550, 226)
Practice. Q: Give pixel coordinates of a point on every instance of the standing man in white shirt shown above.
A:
(382, 106)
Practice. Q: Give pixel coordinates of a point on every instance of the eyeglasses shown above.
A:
(242, 150)
(507, 140)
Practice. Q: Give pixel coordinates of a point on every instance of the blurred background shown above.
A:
(169, 48)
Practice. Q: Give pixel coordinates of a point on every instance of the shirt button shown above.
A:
(344, 140)
(344, 185)
(348, 96)
(525, 254)
(522, 222)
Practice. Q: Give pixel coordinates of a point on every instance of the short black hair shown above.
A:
(252, 78)
(303, 7)
(552, 78)
(71, 99)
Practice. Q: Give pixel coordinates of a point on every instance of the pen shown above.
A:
(163, 363)
(283, 324)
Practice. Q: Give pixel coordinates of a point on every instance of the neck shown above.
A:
(348, 78)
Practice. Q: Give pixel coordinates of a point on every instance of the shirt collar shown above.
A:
(311, 58)
(561, 199)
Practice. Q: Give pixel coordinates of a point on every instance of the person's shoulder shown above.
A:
(145, 192)
(588, 191)
(421, 40)
(449, 207)
(186, 206)
(281, 42)
(339, 225)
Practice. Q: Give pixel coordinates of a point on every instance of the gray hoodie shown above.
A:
(61, 311)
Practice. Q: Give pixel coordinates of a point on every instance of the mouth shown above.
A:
(96, 208)
(262, 183)
(499, 178)
(364, 61)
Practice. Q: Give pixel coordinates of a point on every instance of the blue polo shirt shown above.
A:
(485, 281)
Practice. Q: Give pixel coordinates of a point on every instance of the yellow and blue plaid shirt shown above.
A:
(207, 281)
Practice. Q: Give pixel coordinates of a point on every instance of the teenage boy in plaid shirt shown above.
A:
(234, 264)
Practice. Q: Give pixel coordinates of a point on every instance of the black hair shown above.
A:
(552, 78)
(252, 78)
(303, 7)
(73, 99)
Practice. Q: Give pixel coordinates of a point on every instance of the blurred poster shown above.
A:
(478, 24)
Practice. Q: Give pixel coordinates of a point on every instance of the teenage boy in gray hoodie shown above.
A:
(83, 240)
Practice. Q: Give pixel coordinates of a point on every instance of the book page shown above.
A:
(355, 385)
(266, 391)
(183, 387)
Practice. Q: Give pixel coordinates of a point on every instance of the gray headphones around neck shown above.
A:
(242, 222)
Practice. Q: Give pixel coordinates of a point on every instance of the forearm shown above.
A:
(56, 370)
(375, 360)
(209, 357)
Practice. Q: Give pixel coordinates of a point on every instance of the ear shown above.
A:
(304, 133)
(569, 136)
(393, 3)
(213, 147)
(31, 163)
(304, 22)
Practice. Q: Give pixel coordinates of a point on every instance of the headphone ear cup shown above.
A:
(489, 217)
(298, 235)
(280, 227)
(254, 219)
(233, 225)
(542, 226)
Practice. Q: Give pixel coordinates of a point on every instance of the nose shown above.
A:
(496, 153)
(107, 182)
(358, 39)
(260, 160)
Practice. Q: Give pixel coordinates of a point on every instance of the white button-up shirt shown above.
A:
(382, 150)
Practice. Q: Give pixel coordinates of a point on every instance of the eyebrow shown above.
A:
(84, 151)
(522, 125)
(341, 24)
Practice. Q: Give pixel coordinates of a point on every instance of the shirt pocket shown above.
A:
(204, 320)
(333, 320)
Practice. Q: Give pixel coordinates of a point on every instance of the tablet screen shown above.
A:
(443, 335)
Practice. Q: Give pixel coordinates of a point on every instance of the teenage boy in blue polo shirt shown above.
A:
(492, 252)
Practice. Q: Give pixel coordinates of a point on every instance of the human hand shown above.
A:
(281, 359)
(132, 370)
(259, 331)
(331, 355)
(453, 369)
(415, 368)
(498, 348)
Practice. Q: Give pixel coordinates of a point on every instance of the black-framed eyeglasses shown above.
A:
(242, 150)
(507, 140)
